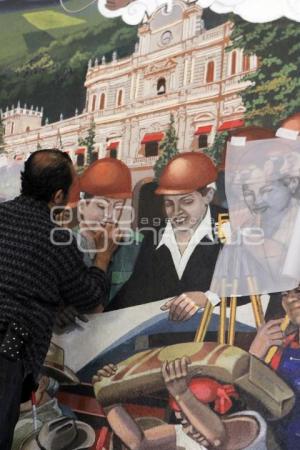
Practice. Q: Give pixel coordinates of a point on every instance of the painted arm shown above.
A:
(268, 335)
(128, 430)
(185, 306)
(203, 421)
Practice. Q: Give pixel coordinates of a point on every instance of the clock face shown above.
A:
(166, 37)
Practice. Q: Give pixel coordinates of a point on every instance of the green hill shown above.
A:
(45, 51)
(25, 30)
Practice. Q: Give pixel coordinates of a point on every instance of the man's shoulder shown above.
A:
(7, 204)
(152, 237)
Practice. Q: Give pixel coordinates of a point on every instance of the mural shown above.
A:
(181, 120)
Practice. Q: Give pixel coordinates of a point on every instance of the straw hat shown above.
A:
(61, 434)
(54, 366)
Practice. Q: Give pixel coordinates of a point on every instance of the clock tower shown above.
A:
(167, 29)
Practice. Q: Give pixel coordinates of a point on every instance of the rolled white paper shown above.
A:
(291, 267)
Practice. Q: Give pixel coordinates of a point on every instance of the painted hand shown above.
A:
(175, 374)
(184, 306)
(106, 372)
(106, 243)
(268, 335)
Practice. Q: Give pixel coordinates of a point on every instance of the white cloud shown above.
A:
(134, 13)
(257, 11)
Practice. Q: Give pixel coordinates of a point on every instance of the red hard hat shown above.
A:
(207, 390)
(292, 122)
(186, 173)
(251, 133)
(107, 177)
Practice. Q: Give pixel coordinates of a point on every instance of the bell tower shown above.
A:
(166, 28)
(21, 119)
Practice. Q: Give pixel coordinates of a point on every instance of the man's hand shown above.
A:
(106, 243)
(88, 229)
(106, 372)
(175, 375)
(268, 335)
(67, 317)
(184, 306)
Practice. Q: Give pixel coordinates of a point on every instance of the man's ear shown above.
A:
(209, 196)
(294, 184)
(59, 197)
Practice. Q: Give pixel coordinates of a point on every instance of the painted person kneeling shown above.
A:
(202, 407)
(286, 361)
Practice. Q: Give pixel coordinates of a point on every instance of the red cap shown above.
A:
(207, 390)
(107, 177)
(186, 173)
(292, 122)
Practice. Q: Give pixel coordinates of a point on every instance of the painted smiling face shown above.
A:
(101, 210)
(269, 198)
(291, 305)
(186, 211)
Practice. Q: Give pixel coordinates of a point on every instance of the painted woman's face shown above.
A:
(185, 211)
(267, 198)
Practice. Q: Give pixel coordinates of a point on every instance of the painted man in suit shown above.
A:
(178, 261)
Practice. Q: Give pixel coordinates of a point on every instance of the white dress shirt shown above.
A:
(180, 261)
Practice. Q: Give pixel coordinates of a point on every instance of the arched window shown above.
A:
(27, 129)
(94, 156)
(210, 72)
(233, 62)
(120, 98)
(102, 101)
(80, 160)
(12, 128)
(161, 86)
(113, 153)
(246, 63)
(94, 103)
(202, 141)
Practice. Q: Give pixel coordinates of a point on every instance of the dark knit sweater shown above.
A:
(37, 276)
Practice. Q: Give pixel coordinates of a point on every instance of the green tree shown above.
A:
(1, 136)
(89, 142)
(168, 149)
(216, 150)
(274, 93)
